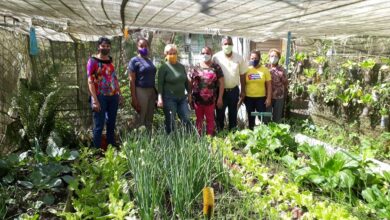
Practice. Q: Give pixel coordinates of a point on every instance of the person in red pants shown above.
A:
(207, 82)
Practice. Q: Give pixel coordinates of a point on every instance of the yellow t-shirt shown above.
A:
(255, 81)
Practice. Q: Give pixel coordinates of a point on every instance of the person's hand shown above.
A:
(160, 103)
(268, 103)
(240, 101)
(242, 94)
(96, 106)
(219, 102)
(135, 104)
(190, 102)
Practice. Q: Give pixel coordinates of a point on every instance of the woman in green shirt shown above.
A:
(172, 83)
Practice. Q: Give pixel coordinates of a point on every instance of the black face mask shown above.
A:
(104, 52)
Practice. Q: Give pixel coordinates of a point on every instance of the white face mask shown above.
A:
(227, 49)
(205, 57)
(273, 60)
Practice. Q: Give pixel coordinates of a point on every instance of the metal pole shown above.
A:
(287, 108)
(288, 51)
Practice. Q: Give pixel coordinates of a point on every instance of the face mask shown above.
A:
(172, 58)
(254, 63)
(104, 52)
(143, 51)
(227, 49)
(205, 57)
(273, 60)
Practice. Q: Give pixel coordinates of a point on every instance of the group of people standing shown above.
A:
(218, 82)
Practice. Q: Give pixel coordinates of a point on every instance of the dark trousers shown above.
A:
(230, 101)
(254, 104)
(106, 115)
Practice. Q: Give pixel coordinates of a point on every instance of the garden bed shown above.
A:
(260, 174)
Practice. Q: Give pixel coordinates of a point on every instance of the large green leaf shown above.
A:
(57, 182)
(48, 199)
(317, 179)
(339, 161)
(290, 162)
(368, 195)
(23, 156)
(301, 173)
(72, 155)
(318, 155)
(347, 179)
(274, 144)
(53, 150)
(26, 184)
(386, 175)
(68, 178)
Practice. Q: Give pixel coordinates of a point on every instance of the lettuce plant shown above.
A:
(328, 172)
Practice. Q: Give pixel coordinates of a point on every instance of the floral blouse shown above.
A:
(102, 74)
(279, 81)
(205, 83)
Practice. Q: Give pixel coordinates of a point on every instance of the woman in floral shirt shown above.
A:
(105, 92)
(207, 90)
(279, 85)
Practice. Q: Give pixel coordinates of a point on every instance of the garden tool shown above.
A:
(262, 114)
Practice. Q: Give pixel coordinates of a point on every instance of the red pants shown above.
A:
(202, 111)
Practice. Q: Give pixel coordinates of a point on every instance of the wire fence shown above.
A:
(69, 58)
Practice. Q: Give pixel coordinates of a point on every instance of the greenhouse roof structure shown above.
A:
(257, 20)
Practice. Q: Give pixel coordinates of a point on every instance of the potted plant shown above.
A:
(320, 61)
(352, 69)
(366, 66)
(366, 100)
(309, 74)
(313, 91)
(297, 89)
(384, 111)
(300, 59)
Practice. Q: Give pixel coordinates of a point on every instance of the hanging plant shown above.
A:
(309, 74)
(351, 68)
(320, 61)
(367, 66)
(300, 58)
(384, 111)
(313, 92)
(367, 101)
(296, 89)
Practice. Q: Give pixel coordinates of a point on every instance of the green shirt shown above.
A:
(172, 80)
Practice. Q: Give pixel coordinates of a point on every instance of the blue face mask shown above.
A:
(254, 63)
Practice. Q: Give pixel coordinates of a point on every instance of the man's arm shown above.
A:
(243, 85)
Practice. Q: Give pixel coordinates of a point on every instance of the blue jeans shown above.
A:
(252, 104)
(173, 105)
(107, 114)
(230, 101)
